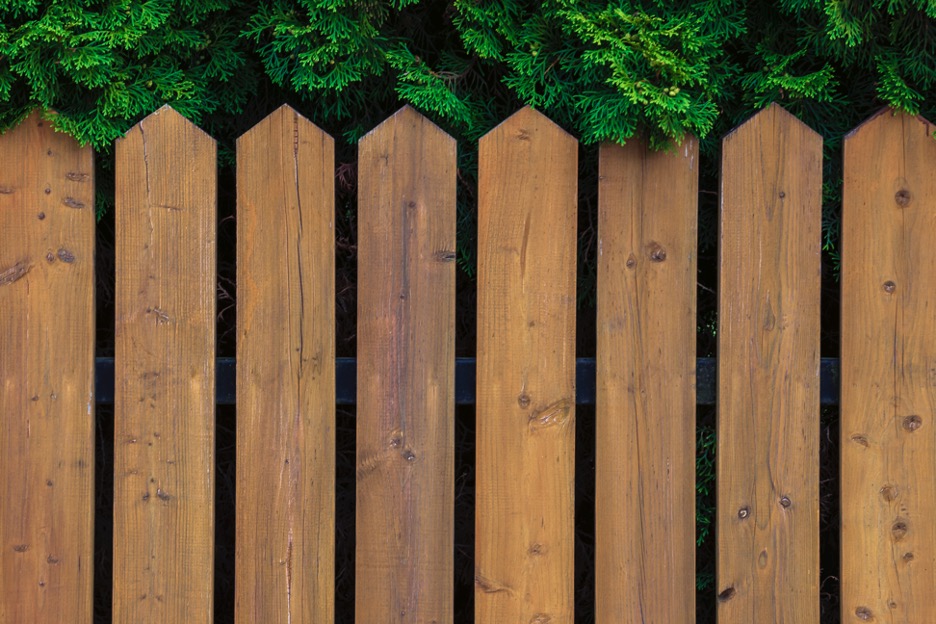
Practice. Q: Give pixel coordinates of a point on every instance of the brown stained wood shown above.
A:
(46, 376)
(524, 516)
(768, 371)
(889, 372)
(286, 372)
(406, 373)
(645, 392)
(164, 387)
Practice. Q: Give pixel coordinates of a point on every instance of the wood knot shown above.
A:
(71, 202)
(65, 256)
(890, 492)
(726, 594)
(656, 252)
(744, 513)
(912, 423)
(554, 414)
(523, 400)
(864, 614)
(889, 287)
(899, 529)
(785, 502)
(859, 438)
(902, 197)
(631, 261)
(14, 273)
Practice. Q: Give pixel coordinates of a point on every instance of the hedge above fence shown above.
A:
(603, 70)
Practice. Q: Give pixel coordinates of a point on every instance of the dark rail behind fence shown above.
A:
(346, 381)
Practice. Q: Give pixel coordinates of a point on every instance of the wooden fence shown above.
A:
(768, 375)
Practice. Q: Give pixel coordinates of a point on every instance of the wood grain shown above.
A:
(889, 372)
(645, 390)
(406, 373)
(525, 377)
(768, 372)
(46, 376)
(286, 373)
(164, 437)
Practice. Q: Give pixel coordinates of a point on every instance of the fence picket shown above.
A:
(645, 389)
(286, 384)
(768, 371)
(527, 184)
(406, 372)
(165, 349)
(46, 375)
(888, 438)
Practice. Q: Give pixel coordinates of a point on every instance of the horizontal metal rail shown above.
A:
(346, 381)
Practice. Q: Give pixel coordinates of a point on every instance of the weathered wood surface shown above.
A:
(525, 379)
(406, 373)
(889, 372)
(286, 372)
(46, 376)
(164, 438)
(768, 371)
(645, 390)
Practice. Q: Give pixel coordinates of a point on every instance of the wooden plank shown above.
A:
(164, 395)
(645, 389)
(524, 523)
(46, 375)
(889, 371)
(406, 373)
(286, 373)
(768, 371)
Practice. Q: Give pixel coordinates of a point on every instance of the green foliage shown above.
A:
(105, 65)
(604, 70)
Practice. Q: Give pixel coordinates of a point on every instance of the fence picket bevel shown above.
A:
(768, 372)
(524, 518)
(46, 375)
(645, 388)
(888, 441)
(406, 373)
(286, 381)
(164, 428)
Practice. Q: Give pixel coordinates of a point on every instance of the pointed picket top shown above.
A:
(773, 119)
(283, 117)
(168, 118)
(526, 125)
(407, 117)
(889, 124)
